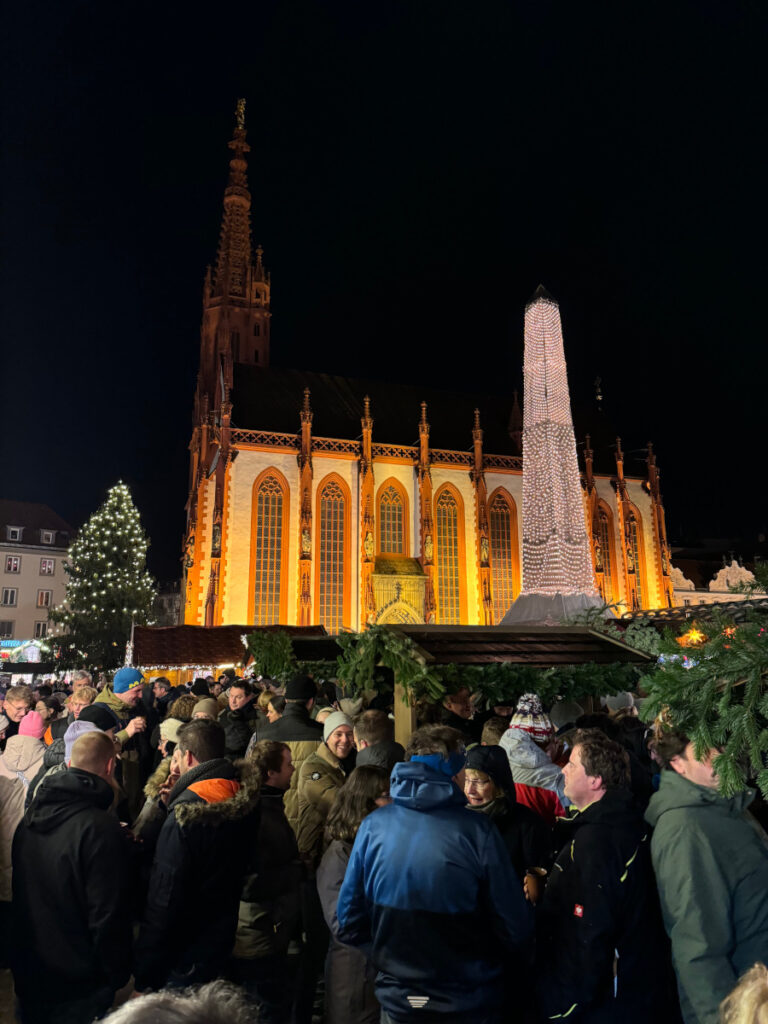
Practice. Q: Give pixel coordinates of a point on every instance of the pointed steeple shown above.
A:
(234, 254)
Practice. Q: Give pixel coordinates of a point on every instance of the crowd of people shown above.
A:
(232, 850)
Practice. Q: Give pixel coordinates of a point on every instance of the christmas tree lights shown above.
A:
(108, 587)
(558, 580)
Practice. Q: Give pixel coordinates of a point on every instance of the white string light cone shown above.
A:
(558, 578)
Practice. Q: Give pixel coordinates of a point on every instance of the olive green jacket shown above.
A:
(320, 778)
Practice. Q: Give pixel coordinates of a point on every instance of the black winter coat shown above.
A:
(197, 876)
(71, 904)
(270, 905)
(524, 832)
(601, 897)
(238, 728)
(293, 725)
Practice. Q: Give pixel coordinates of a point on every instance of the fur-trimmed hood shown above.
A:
(157, 779)
(215, 792)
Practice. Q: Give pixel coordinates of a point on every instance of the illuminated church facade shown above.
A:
(316, 499)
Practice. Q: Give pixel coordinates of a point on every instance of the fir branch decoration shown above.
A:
(362, 653)
(272, 653)
(717, 694)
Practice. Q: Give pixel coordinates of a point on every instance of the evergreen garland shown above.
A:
(108, 587)
(272, 654)
(716, 692)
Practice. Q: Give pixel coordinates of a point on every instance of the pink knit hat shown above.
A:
(32, 724)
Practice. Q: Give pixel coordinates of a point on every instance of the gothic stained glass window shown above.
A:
(331, 565)
(634, 537)
(605, 536)
(391, 522)
(500, 521)
(448, 571)
(269, 550)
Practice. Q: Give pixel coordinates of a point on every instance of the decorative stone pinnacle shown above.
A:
(367, 407)
(240, 114)
(477, 419)
(424, 412)
(306, 406)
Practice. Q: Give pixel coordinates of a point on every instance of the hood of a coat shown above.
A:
(676, 792)
(522, 750)
(214, 792)
(65, 793)
(416, 785)
(21, 752)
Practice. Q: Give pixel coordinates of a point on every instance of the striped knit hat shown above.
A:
(529, 717)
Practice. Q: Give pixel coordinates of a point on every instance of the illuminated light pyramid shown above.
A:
(558, 579)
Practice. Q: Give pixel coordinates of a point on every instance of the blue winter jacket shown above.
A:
(430, 891)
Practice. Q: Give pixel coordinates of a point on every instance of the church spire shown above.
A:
(234, 254)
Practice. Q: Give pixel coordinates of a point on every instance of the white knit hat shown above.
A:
(332, 723)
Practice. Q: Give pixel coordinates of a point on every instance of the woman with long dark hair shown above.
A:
(349, 977)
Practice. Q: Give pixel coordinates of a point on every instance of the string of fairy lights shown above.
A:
(556, 554)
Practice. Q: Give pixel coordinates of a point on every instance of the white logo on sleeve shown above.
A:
(418, 1002)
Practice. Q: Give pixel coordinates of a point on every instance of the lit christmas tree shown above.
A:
(558, 580)
(108, 587)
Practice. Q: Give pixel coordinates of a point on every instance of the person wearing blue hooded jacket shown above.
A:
(431, 895)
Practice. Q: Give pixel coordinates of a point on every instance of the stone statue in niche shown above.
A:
(630, 558)
(664, 562)
(216, 539)
(428, 548)
(306, 542)
(598, 556)
(368, 545)
(484, 550)
(189, 548)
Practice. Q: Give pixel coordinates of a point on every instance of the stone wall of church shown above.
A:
(236, 601)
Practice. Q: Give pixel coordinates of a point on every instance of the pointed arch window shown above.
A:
(636, 548)
(269, 540)
(502, 520)
(606, 558)
(392, 518)
(449, 530)
(333, 561)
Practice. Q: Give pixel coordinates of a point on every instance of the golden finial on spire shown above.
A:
(240, 113)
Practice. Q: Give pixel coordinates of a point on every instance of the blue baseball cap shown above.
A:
(127, 679)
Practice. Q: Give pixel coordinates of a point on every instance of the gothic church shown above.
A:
(310, 503)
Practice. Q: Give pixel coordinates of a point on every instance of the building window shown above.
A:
(6, 630)
(268, 552)
(44, 598)
(41, 630)
(604, 534)
(8, 597)
(13, 563)
(503, 542)
(47, 566)
(14, 532)
(448, 563)
(636, 547)
(391, 521)
(47, 536)
(331, 567)
(256, 331)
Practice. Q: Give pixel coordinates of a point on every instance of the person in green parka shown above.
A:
(711, 862)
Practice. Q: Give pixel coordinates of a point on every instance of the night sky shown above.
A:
(417, 168)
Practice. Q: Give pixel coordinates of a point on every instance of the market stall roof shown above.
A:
(526, 645)
(172, 647)
(663, 617)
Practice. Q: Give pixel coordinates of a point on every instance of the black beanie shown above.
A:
(494, 762)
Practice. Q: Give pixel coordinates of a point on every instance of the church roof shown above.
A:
(270, 399)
